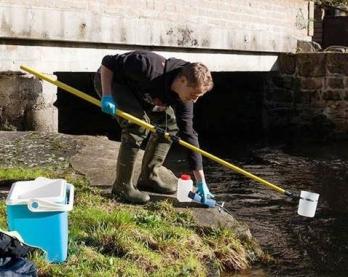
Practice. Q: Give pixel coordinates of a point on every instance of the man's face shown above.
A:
(189, 93)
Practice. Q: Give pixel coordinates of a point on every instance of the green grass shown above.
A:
(107, 238)
(24, 173)
(3, 215)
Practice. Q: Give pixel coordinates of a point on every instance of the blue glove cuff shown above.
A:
(108, 98)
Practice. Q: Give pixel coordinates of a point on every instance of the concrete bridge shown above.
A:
(227, 35)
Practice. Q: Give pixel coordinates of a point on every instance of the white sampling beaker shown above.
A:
(308, 203)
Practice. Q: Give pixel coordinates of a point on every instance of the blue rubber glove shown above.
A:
(203, 191)
(108, 105)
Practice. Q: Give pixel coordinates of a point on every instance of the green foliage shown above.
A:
(20, 173)
(3, 215)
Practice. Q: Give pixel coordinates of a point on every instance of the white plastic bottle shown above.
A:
(185, 185)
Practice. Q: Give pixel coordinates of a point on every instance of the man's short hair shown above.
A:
(197, 74)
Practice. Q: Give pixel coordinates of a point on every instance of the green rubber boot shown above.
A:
(155, 153)
(123, 186)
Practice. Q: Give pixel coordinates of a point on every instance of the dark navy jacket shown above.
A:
(150, 76)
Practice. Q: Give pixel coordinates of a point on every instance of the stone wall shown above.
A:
(24, 106)
(309, 96)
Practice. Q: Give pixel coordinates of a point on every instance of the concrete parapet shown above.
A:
(254, 25)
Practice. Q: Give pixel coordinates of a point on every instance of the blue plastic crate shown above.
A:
(41, 221)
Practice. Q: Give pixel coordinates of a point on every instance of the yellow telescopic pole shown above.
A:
(152, 128)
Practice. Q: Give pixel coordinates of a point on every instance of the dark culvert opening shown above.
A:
(233, 109)
(77, 116)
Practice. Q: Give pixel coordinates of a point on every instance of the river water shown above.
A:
(301, 246)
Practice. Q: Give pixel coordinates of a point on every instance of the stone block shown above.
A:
(307, 47)
(336, 111)
(309, 97)
(311, 83)
(345, 96)
(17, 94)
(42, 118)
(332, 95)
(337, 63)
(311, 64)
(284, 81)
(24, 105)
(287, 63)
(335, 83)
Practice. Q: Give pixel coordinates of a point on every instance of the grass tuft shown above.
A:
(22, 174)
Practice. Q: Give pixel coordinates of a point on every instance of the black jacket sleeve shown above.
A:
(109, 61)
(184, 117)
(128, 67)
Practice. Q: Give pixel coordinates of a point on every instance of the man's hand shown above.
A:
(203, 191)
(108, 105)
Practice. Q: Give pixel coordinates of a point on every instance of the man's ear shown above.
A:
(183, 80)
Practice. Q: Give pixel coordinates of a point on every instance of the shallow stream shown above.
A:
(301, 246)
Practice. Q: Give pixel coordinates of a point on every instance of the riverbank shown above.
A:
(165, 236)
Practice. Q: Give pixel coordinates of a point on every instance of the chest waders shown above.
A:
(132, 137)
(157, 149)
(124, 184)
(150, 178)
